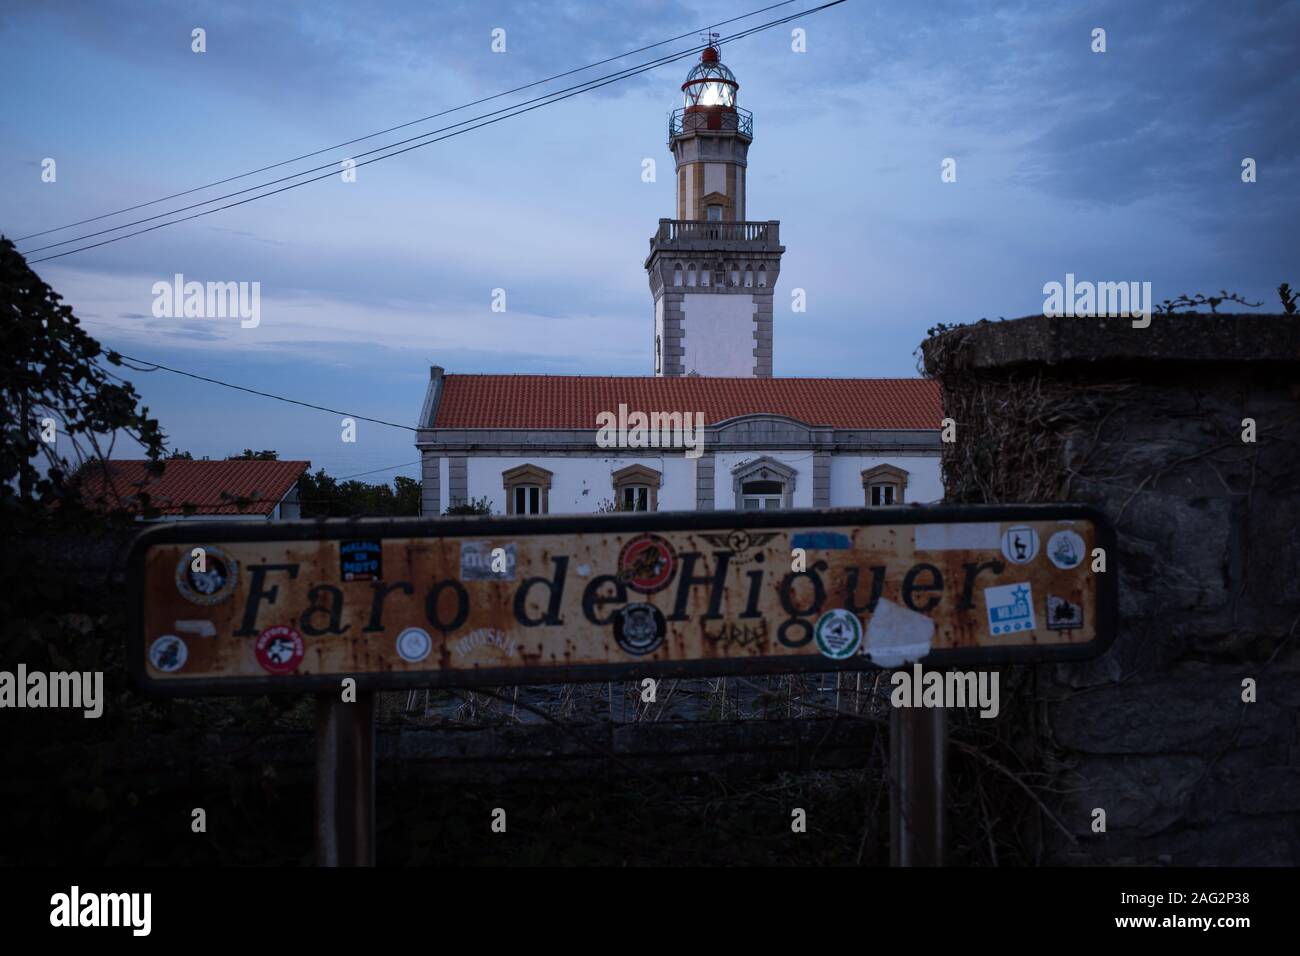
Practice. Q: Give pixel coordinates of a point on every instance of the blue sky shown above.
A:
(1117, 166)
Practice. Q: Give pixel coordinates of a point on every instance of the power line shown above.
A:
(253, 391)
(362, 474)
(422, 119)
(549, 100)
(332, 167)
(378, 470)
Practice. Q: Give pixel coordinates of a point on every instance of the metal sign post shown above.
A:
(918, 741)
(345, 780)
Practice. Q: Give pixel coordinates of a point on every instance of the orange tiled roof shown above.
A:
(199, 483)
(573, 401)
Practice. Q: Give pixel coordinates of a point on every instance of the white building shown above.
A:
(537, 444)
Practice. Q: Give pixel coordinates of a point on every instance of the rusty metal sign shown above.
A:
(223, 607)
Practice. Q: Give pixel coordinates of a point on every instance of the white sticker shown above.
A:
(896, 634)
(168, 653)
(1065, 549)
(414, 644)
(1010, 608)
(1020, 544)
(484, 561)
(958, 537)
(198, 628)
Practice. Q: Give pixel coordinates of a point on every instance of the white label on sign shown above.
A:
(896, 634)
(957, 537)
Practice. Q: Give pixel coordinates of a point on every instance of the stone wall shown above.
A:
(1147, 425)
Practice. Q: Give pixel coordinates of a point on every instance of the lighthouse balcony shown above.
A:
(688, 233)
(705, 119)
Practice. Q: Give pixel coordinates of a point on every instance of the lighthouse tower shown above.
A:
(712, 271)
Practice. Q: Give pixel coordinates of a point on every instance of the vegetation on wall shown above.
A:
(475, 506)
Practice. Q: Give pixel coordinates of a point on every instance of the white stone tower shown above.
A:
(712, 272)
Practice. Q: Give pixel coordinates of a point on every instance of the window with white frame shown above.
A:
(884, 485)
(636, 498)
(883, 494)
(527, 489)
(762, 495)
(636, 488)
(763, 484)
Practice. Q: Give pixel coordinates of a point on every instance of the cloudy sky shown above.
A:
(1123, 165)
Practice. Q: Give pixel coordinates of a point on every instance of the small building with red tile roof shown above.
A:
(233, 489)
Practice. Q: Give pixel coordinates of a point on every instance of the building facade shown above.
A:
(711, 428)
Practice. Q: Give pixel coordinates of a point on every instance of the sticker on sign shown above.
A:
(467, 602)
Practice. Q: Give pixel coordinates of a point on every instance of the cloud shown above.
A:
(1118, 165)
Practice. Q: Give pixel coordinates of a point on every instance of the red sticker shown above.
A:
(646, 563)
(279, 649)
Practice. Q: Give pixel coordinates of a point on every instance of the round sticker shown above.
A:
(646, 563)
(1020, 544)
(214, 583)
(168, 653)
(414, 644)
(1065, 549)
(838, 633)
(279, 649)
(639, 628)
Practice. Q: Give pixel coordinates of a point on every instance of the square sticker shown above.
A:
(361, 560)
(1010, 608)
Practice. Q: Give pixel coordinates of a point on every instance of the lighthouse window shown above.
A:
(714, 213)
(749, 277)
(677, 274)
(735, 275)
(690, 274)
(762, 277)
